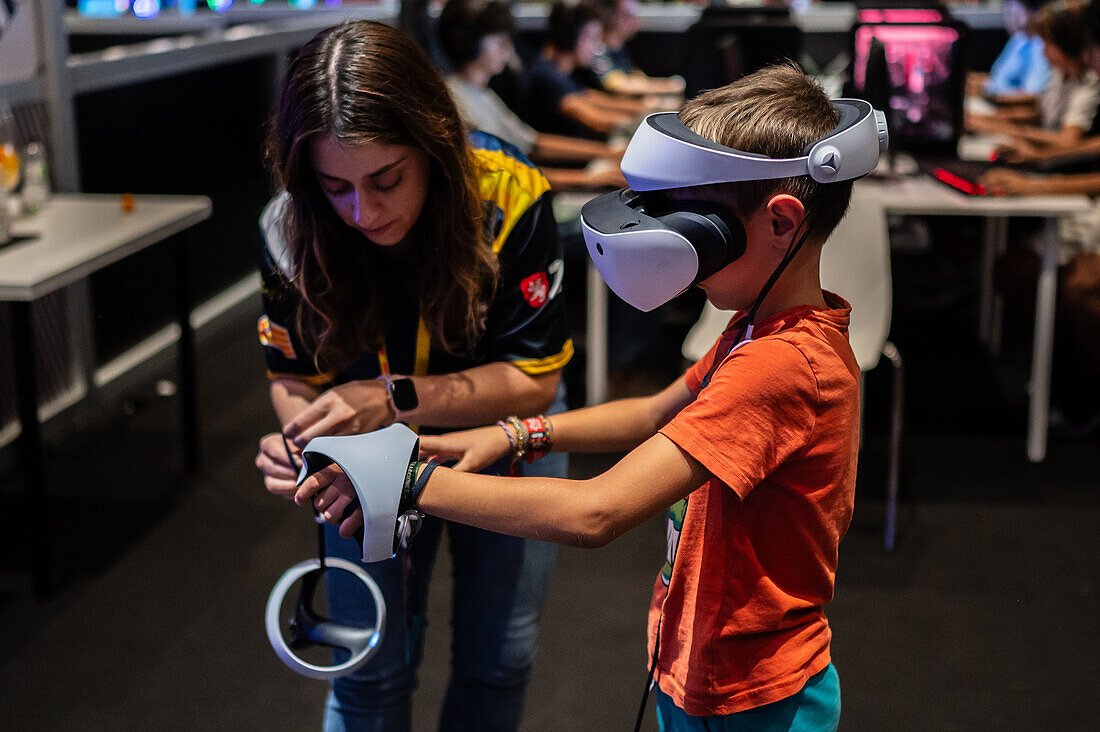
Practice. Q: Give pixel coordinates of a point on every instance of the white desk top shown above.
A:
(916, 195)
(920, 195)
(78, 234)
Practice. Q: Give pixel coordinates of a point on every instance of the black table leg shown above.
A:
(187, 365)
(31, 458)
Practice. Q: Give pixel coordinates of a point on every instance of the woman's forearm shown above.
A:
(289, 397)
(480, 395)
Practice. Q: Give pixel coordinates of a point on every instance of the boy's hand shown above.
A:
(348, 409)
(1002, 182)
(332, 494)
(473, 449)
(279, 475)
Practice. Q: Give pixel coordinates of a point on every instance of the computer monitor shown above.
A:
(728, 42)
(912, 61)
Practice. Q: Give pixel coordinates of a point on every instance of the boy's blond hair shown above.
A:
(777, 111)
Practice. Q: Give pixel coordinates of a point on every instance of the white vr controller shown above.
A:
(376, 464)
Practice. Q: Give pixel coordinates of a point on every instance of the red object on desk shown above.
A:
(962, 184)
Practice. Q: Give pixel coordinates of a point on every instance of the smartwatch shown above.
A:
(401, 392)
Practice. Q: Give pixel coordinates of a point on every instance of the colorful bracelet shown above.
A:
(511, 438)
(539, 437)
(521, 436)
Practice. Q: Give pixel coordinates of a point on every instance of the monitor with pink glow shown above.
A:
(912, 61)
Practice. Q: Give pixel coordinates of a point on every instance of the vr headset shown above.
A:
(648, 251)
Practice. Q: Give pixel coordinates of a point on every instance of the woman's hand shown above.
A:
(348, 409)
(332, 493)
(473, 449)
(279, 474)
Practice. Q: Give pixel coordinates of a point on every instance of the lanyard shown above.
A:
(420, 363)
(423, 347)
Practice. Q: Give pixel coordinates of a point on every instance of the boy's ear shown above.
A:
(785, 213)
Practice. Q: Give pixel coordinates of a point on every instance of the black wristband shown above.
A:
(411, 490)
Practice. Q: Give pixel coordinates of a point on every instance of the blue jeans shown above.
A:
(499, 586)
(815, 708)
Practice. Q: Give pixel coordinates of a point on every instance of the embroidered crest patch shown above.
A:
(275, 336)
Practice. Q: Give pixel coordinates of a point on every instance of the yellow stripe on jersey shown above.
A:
(509, 183)
(544, 365)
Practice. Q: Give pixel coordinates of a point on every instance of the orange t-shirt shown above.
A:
(753, 554)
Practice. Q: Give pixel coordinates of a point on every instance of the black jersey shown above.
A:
(526, 323)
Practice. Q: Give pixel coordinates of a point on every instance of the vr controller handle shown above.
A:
(377, 465)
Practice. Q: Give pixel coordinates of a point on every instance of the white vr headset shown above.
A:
(648, 254)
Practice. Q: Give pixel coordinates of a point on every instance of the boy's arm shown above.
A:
(583, 513)
(612, 427)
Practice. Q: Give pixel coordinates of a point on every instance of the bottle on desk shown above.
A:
(36, 179)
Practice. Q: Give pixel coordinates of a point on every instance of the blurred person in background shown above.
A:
(476, 36)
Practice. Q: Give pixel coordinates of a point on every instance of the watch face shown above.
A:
(404, 395)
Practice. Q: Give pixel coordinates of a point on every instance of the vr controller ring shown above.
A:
(362, 650)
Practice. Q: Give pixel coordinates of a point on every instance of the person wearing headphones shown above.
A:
(753, 451)
(1066, 109)
(412, 273)
(613, 65)
(476, 36)
(556, 102)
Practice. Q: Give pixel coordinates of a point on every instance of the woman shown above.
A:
(411, 274)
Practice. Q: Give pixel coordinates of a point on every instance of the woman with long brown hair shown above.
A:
(411, 273)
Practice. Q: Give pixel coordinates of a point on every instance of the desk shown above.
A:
(910, 196)
(73, 237)
(923, 196)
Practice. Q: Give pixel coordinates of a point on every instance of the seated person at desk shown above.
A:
(1066, 111)
(476, 36)
(556, 102)
(1079, 260)
(613, 65)
(1021, 71)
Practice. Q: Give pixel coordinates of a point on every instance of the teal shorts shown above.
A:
(816, 708)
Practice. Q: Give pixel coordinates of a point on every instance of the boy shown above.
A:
(753, 451)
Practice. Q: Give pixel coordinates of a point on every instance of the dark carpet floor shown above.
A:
(983, 618)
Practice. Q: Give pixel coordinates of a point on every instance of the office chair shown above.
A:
(855, 264)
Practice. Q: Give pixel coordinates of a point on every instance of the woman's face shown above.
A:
(376, 188)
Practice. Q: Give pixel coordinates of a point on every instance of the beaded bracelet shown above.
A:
(521, 436)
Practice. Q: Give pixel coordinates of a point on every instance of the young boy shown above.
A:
(753, 452)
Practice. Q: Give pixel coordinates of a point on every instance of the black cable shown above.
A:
(792, 249)
(797, 240)
(316, 514)
(649, 678)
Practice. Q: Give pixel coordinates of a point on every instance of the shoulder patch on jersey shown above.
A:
(508, 180)
(275, 336)
(536, 289)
